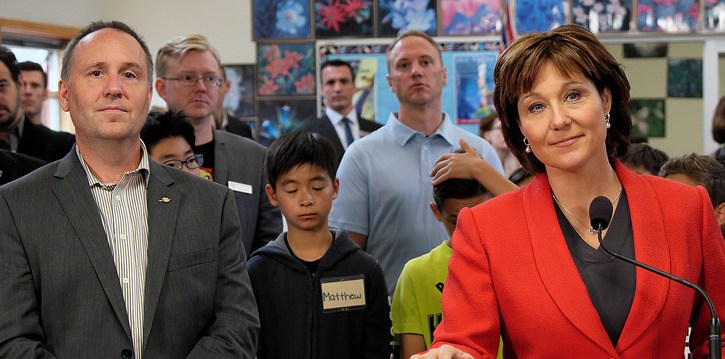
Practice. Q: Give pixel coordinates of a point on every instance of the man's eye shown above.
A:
(129, 75)
(96, 73)
(188, 78)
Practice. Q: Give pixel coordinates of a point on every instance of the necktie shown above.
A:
(348, 131)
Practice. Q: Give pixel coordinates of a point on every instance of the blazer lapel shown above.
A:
(326, 129)
(555, 264)
(221, 161)
(163, 209)
(650, 247)
(73, 193)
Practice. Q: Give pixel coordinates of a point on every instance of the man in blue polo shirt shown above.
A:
(385, 183)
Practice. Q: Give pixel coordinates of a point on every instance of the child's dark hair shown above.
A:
(456, 188)
(642, 154)
(298, 148)
(164, 125)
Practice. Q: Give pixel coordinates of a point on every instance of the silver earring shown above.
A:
(606, 121)
(528, 148)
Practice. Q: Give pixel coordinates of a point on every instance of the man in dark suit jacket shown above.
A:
(106, 254)
(187, 68)
(41, 142)
(15, 165)
(340, 124)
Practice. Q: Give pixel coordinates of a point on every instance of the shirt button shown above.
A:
(118, 198)
(125, 280)
(122, 236)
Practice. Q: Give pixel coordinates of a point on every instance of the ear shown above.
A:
(390, 83)
(63, 95)
(445, 75)
(270, 194)
(161, 87)
(335, 188)
(436, 212)
(606, 100)
(720, 213)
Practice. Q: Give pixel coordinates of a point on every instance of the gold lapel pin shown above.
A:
(165, 200)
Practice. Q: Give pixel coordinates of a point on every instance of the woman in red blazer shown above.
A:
(526, 265)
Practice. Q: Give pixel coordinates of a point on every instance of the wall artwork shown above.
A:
(648, 118)
(285, 69)
(281, 19)
(470, 17)
(684, 78)
(280, 116)
(714, 15)
(645, 49)
(239, 100)
(667, 16)
(397, 16)
(539, 15)
(473, 86)
(600, 16)
(343, 18)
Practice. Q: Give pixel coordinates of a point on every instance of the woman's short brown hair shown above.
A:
(572, 50)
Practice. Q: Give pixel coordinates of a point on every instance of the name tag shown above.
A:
(341, 294)
(240, 187)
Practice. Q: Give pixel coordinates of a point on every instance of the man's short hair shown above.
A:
(34, 66)
(299, 148)
(8, 58)
(337, 63)
(177, 47)
(97, 26)
(699, 167)
(159, 126)
(414, 33)
(456, 188)
(642, 154)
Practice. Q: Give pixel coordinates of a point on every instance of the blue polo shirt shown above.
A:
(385, 190)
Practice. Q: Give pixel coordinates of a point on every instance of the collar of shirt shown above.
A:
(142, 168)
(16, 134)
(335, 117)
(402, 134)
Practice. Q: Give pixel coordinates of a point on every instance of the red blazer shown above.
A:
(512, 274)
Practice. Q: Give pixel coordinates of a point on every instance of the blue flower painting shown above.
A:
(281, 19)
(667, 15)
(397, 16)
(602, 16)
(539, 15)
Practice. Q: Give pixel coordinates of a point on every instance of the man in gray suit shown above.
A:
(105, 254)
(187, 70)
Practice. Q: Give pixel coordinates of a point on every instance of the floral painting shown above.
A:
(281, 116)
(667, 15)
(285, 69)
(470, 17)
(539, 15)
(715, 14)
(239, 100)
(397, 16)
(602, 16)
(684, 78)
(648, 118)
(281, 19)
(336, 18)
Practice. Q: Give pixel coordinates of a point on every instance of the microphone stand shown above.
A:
(715, 346)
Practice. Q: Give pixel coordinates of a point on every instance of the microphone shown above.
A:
(600, 213)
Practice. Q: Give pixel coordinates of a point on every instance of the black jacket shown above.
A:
(41, 142)
(323, 126)
(289, 301)
(15, 165)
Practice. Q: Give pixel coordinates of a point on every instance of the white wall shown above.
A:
(226, 23)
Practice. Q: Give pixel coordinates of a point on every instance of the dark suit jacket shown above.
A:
(15, 165)
(60, 292)
(239, 164)
(512, 273)
(324, 127)
(41, 142)
(238, 127)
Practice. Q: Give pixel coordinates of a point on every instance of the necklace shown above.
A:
(592, 231)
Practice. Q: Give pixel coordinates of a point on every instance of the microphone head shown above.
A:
(600, 212)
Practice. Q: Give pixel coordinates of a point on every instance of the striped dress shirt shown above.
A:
(124, 213)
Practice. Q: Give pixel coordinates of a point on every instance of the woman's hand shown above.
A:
(444, 352)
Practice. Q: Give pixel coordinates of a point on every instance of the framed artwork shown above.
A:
(470, 17)
(285, 69)
(343, 18)
(281, 19)
(539, 15)
(278, 116)
(601, 16)
(253, 123)
(645, 49)
(714, 15)
(239, 100)
(397, 16)
(473, 86)
(648, 117)
(667, 16)
(684, 78)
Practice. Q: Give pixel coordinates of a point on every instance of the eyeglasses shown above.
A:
(193, 162)
(190, 80)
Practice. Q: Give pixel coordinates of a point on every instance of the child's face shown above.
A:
(448, 214)
(304, 194)
(171, 150)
